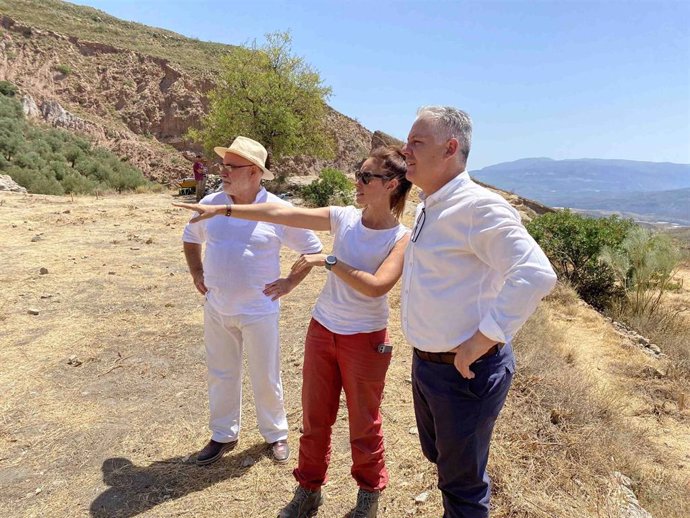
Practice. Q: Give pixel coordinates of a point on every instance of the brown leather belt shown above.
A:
(449, 358)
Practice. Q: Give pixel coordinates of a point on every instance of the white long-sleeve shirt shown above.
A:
(470, 265)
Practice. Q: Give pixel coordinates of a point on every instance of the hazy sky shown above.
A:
(563, 79)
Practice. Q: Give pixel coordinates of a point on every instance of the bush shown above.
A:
(11, 109)
(598, 287)
(63, 69)
(53, 161)
(574, 243)
(644, 265)
(331, 188)
(7, 89)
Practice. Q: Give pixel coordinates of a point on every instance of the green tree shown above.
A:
(268, 94)
(11, 137)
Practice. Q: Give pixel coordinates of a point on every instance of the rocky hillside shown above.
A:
(136, 90)
(132, 100)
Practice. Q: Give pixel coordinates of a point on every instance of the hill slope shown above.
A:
(130, 88)
(651, 207)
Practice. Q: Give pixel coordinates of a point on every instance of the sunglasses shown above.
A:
(229, 167)
(365, 176)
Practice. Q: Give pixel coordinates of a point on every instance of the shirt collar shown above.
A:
(452, 184)
(261, 196)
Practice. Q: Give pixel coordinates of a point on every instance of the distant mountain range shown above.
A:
(647, 191)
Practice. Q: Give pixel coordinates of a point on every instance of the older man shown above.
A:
(239, 277)
(472, 277)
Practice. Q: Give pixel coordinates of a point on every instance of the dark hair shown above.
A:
(393, 163)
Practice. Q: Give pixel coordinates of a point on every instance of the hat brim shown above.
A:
(220, 151)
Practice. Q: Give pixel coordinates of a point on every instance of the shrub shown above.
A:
(8, 89)
(77, 184)
(573, 243)
(597, 286)
(63, 69)
(36, 181)
(331, 188)
(644, 265)
(52, 161)
(11, 109)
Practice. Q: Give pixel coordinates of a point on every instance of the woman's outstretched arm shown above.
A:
(279, 213)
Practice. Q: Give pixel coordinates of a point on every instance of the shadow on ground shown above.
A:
(135, 489)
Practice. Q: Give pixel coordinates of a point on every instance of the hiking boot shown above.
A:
(367, 504)
(304, 504)
(280, 451)
(213, 451)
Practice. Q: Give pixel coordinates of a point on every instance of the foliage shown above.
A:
(268, 94)
(63, 69)
(331, 188)
(573, 243)
(53, 161)
(644, 264)
(8, 89)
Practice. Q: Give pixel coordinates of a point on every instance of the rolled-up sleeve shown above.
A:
(194, 232)
(499, 239)
(302, 241)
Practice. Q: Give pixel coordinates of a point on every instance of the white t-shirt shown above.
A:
(242, 256)
(340, 308)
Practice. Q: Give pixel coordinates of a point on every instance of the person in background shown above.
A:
(200, 173)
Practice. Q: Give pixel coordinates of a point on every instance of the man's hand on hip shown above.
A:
(470, 351)
(198, 278)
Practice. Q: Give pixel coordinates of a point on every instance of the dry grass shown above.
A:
(113, 436)
(95, 25)
(564, 433)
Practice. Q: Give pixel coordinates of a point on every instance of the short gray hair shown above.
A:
(450, 123)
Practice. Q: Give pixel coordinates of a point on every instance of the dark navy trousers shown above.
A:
(455, 419)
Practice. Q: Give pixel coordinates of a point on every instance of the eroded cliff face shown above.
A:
(136, 105)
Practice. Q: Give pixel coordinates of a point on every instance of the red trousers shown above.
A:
(332, 363)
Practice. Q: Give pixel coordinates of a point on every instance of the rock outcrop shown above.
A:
(7, 184)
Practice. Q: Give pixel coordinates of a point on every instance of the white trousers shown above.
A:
(225, 337)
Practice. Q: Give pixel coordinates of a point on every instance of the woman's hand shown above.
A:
(278, 288)
(306, 262)
(204, 211)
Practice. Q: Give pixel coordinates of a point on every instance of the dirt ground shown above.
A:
(103, 377)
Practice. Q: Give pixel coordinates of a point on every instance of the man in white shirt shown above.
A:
(472, 277)
(239, 276)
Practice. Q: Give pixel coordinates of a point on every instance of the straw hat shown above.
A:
(250, 150)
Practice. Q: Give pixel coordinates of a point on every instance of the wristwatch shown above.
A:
(330, 261)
